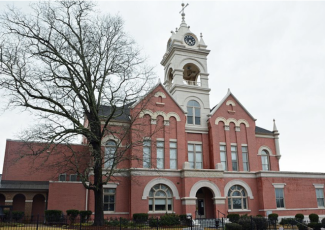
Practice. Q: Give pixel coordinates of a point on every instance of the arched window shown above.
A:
(160, 198)
(265, 160)
(110, 150)
(237, 197)
(193, 113)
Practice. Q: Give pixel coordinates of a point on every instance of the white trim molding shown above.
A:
(154, 115)
(231, 102)
(160, 94)
(165, 181)
(233, 120)
(241, 183)
(318, 185)
(110, 185)
(264, 147)
(208, 184)
(279, 185)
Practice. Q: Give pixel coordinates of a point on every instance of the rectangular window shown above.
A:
(109, 199)
(279, 197)
(234, 160)
(320, 197)
(173, 155)
(197, 116)
(73, 177)
(189, 115)
(147, 154)
(160, 155)
(63, 177)
(195, 156)
(223, 156)
(245, 158)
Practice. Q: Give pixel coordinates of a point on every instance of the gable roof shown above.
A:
(122, 113)
(259, 130)
(152, 89)
(224, 99)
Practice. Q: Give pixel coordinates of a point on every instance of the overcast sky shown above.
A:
(270, 54)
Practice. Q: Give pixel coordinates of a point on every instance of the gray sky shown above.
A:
(270, 54)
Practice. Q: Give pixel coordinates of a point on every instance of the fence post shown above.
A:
(223, 226)
(37, 221)
(157, 223)
(251, 223)
(120, 223)
(80, 223)
(191, 222)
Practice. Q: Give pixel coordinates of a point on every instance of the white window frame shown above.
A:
(65, 177)
(71, 175)
(110, 152)
(172, 148)
(107, 192)
(244, 150)
(243, 198)
(193, 109)
(319, 189)
(224, 163)
(265, 155)
(160, 147)
(147, 155)
(152, 199)
(234, 157)
(195, 152)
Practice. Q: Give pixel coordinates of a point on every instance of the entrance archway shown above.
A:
(19, 203)
(204, 203)
(38, 207)
(2, 199)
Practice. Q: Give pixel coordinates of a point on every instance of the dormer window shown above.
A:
(193, 113)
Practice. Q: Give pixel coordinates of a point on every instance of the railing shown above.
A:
(194, 83)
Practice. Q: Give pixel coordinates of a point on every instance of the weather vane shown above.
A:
(182, 10)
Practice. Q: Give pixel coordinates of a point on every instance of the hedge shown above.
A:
(313, 217)
(299, 217)
(233, 226)
(140, 217)
(233, 218)
(85, 215)
(53, 215)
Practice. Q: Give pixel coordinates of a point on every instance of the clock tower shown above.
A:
(186, 75)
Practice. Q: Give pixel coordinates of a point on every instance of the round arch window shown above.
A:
(110, 150)
(193, 113)
(237, 197)
(265, 160)
(160, 198)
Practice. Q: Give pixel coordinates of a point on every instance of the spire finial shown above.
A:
(274, 126)
(201, 35)
(182, 11)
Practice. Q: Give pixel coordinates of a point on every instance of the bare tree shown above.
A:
(66, 62)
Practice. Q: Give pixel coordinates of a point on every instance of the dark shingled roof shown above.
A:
(122, 113)
(260, 130)
(24, 185)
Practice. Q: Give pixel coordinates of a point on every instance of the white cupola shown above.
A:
(186, 73)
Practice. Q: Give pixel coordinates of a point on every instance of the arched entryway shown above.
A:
(204, 203)
(2, 199)
(38, 207)
(19, 203)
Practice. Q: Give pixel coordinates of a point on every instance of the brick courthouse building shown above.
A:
(202, 161)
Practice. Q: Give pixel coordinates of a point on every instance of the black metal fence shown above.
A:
(153, 223)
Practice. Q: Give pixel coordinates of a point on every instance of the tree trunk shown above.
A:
(98, 183)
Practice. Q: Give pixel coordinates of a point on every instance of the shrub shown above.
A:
(85, 215)
(113, 222)
(323, 222)
(287, 221)
(183, 219)
(299, 217)
(233, 226)
(259, 216)
(260, 223)
(72, 214)
(140, 217)
(313, 217)
(233, 218)
(315, 225)
(17, 215)
(153, 222)
(169, 220)
(273, 218)
(246, 223)
(302, 227)
(53, 215)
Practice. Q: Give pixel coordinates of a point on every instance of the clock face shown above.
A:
(189, 40)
